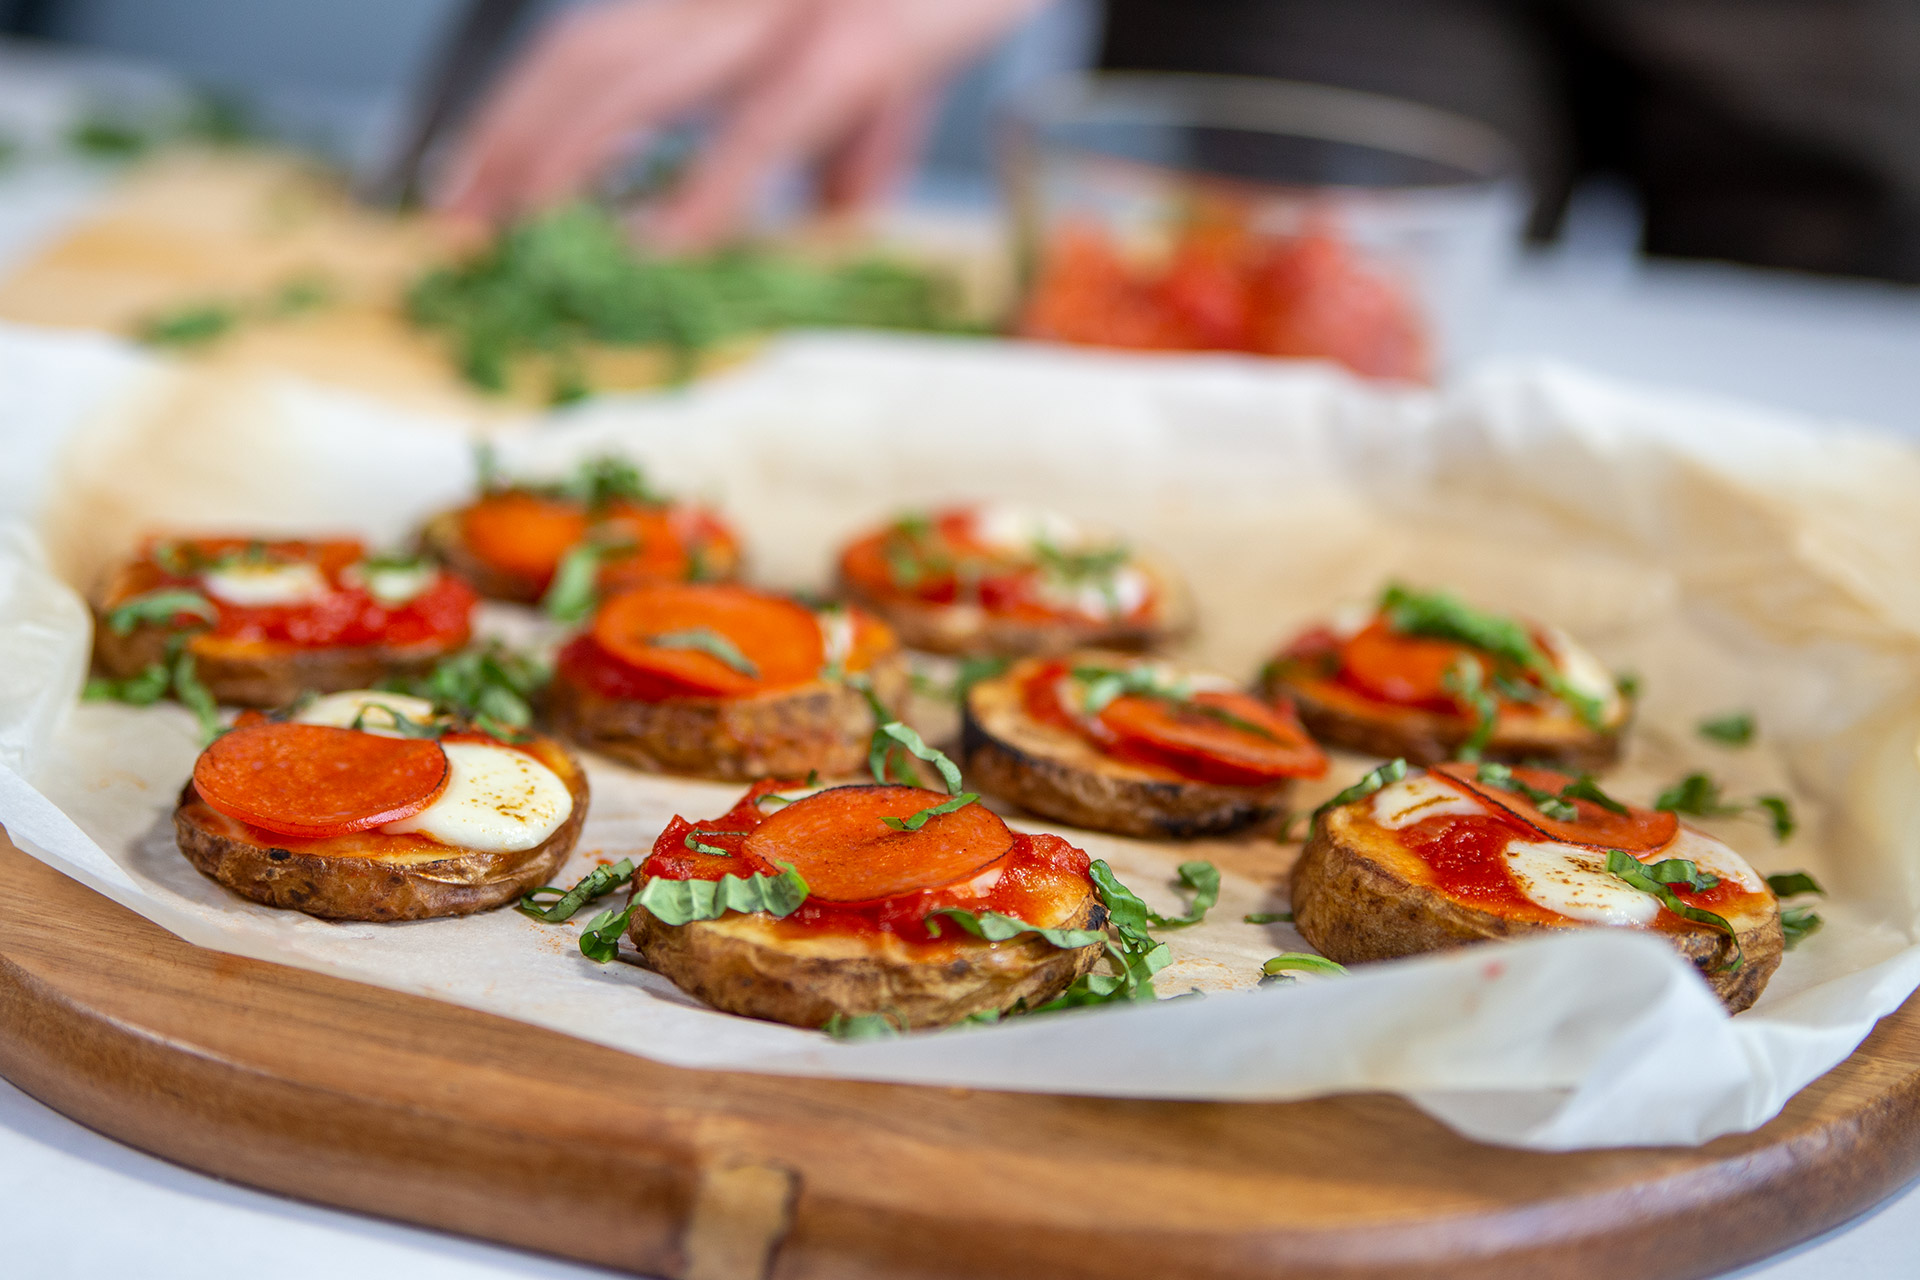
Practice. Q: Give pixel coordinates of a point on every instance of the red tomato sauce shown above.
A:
(1036, 873)
(345, 616)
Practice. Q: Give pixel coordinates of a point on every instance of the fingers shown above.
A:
(871, 160)
(839, 72)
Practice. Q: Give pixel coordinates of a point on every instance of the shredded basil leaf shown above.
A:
(862, 1026)
(1300, 961)
(161, 607)
(491, 688)
(142, 690)
(1133, 954)
(1585, 788)
(1699, 796)
(913, 822)
(1268, 917)
(1466, 680)
(1204, 879)
(1659, 877)
(1370, 782)
(992, 926)
(1555, 807)
(694, 842)
(1796, 923)
(574, 592)
(1735, 729)
(1445, 616)
(677, 902)
(892, 734)
(710, 642)
(1791, 884)
(597, 883)
(1628, 683)
(600, 940)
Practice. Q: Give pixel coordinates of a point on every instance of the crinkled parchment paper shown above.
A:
(1731, 558)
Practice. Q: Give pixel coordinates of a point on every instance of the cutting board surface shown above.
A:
(399, 1106)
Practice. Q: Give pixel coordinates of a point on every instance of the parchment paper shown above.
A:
(1732, 558)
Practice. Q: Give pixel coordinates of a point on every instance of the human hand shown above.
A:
(845, 83)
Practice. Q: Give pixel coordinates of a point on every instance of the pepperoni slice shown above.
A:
(1408, 670)
(522, 534)
(838, 841)
(1233, 737)
(1635, 831)
(778, 639)
(314, 781)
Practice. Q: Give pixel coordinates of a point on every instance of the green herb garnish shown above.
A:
(710, 642)
(1204, 879)
(1444, 616)
(995, 927)
(677, 902)
(915, 821)
(1798, 921)
(175, 673)
(1268, 917)
(491, 688)
(892, 737)
(694, 842)
(1370, 782)
(1466, 680)
(1791, 884)
(1300, 961)
(565, 903)
(1734, 729)
(161, 607)
(1132, 953)
(1659, 879)
(574, 592)
(862, 1026)
(1699, 796)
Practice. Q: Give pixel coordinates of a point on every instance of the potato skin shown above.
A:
(240, 678)
(742, 964)
(1053, 773)
(967, 631)
(350, 888)
(784, 734)
(1423, 737)
(1354, 901)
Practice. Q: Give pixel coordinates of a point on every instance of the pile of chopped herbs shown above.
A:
(555, 284)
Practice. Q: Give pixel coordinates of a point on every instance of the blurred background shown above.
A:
(1656, 140)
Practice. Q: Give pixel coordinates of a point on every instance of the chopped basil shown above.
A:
(142, 690)
(600, 481)
(1466, 680)
(1105, 684)
(1735, 729)
(710, 642)
(192, 325)
(574, 592)
(1796, 923)
(1133, 954)
(1585, 788)
(1699, 796)
(694, 842)
(1556, 807)
(1444, 616)
(491, 687)
(1370, 782)
(161, 607)
(894, 736)
(597, 883)
(1659, 878)
(1204, 879)
(1628, 683)
(176, 673)
(862, 1026)
(600, 940)
(1268, 917)
(913, 822)
(1300, 961)
(677, 902)
(992, 926)
(1791, 884)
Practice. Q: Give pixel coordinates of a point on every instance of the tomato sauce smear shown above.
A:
(1034, 875)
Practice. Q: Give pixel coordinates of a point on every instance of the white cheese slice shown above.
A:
(836, 635)
(375, 712)
(497, 800)
(1574, 882)
(1709, 854)
(252, 585)
(1116, 595)
(393, 584)
(1399, 805)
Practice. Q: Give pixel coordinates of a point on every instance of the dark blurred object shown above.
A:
(1783, 133)
(464, 65)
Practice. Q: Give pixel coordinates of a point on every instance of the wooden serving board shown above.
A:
(404, 1107)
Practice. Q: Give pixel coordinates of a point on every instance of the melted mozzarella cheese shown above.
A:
(836, 635)
(1013, 528)
(368, 710)
(497, 800)
(251, 585)
(1115, 595)
(393, 584)
(1574, 882)
(1401, 804)
(1709, 854)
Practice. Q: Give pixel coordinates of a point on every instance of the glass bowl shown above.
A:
(1228, 213)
